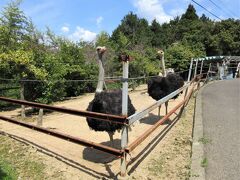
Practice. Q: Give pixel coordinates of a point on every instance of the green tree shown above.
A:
(190, 13)
(13, 27)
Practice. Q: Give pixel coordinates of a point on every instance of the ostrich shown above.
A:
(108, 102)
(159, 87)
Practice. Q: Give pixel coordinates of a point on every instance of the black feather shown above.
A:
(108, 102)
(159, 87)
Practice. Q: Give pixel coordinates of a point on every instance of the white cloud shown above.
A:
(65, 29)
(99, 20)
(152, 9)
(82, 34)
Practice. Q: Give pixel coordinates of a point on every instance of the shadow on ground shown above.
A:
(70, 162)
(97, 156)
(152, 119)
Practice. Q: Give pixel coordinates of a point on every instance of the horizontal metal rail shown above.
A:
(141, 138)
(105, 117)
(139, 115)
(72, 139)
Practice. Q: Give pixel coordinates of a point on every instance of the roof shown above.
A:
(218, 58)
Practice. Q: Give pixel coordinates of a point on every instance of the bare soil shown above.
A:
(155, 158)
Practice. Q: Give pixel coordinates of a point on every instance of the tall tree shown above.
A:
(14, 26)
(190, 13)
(135, 29)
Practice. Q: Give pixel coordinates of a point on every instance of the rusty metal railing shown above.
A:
(105, 117)
(141, 138)
(101, 116)
(69, 138)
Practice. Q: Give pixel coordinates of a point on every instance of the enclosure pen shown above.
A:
(126, 148)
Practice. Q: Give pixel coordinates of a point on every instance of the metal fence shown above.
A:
(126, 121)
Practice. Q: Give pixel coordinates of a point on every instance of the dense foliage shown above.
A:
(51, 61)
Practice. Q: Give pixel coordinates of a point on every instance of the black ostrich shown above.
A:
(159, 87)
(108, 102)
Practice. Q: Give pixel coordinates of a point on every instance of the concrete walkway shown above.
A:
(221, 130)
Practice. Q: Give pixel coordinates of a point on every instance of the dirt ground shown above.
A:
(148, 161)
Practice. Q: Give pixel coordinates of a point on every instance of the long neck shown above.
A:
(163, 66)
(100, 75)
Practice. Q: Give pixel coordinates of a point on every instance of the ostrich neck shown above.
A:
(100, 76)
(163, 66)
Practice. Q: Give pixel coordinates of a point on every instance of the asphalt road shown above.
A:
(221, 129)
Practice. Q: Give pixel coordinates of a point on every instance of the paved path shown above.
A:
(221, 126)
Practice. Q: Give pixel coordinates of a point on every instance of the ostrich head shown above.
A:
(125, 57)
(101, 50)
(160, 53)
(169, 70)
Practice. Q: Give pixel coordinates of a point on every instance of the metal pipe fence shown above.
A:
(121, 153)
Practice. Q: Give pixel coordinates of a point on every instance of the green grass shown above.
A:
(156, 166)
(16, 160)
(174, 160)
(6, 171)
(204, 162)
(204, 140)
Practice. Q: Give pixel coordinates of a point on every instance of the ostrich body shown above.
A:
(108, 102)
(159, 87)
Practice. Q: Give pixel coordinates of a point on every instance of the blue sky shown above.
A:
(83, 19)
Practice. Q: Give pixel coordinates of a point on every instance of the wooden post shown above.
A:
(23, 115)
(124, 134)
(40, 118)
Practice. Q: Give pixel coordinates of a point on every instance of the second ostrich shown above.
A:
(159, 87)
(108, 102)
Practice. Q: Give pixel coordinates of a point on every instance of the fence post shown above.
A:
(219, 71)
(40, 117)
(210, 68)
(22, 98)
(201, 68)
(186, 91)
(196, 66)
(208, 73)
(189, 76)
(190, 71)
(124, 134)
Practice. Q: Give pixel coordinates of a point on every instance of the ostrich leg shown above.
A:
(168, 121)
(166, 105)
(111, 138)
(159, 110)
